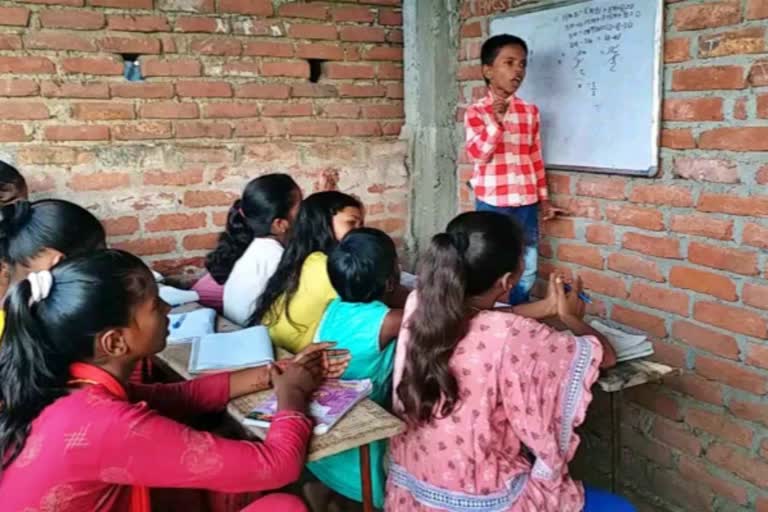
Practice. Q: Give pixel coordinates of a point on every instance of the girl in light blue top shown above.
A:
(363, 269)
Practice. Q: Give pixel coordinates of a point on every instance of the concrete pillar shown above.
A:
(431, 94)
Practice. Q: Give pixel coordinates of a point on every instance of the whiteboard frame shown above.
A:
(658, 89)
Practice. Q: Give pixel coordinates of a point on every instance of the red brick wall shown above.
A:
(682, 256)
(226, 97)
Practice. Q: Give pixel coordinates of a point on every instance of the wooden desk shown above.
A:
(614, 381)
(365, 423)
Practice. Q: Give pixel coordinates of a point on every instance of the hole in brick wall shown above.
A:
(315, 69)
(131, 67)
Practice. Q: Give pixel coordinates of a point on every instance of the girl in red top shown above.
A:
(75, 435)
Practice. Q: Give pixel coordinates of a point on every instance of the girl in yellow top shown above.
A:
(36, 236)
(299, 291)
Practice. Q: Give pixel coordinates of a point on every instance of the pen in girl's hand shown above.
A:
(178, 322)
(583, 296)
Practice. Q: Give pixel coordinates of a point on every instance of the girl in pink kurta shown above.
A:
(491, 398)
(75, 436)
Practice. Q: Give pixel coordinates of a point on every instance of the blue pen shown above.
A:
(178, 322)
(583, 296)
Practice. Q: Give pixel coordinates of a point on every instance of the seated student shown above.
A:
(249, 249)
(75, 435)
(363, 269)
(477, 385)
(35, 236)
(299, 291)
(13, 188)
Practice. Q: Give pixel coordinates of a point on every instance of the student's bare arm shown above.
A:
(390, 327)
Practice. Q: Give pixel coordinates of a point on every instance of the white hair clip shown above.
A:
(41, 284)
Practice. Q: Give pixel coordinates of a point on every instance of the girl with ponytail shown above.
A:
(76, 435)
(477, 384)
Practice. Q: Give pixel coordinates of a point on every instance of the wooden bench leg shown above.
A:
(616, 401)
(365, 476)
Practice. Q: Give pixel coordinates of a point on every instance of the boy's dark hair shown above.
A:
(13, 186)
(362, 265)
(493, 45)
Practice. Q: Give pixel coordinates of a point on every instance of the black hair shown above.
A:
(90, 294)
(264, 199)
(13, 186)
(474, 252)
(312, 232)
(493, 45)
(27, 228)
(362, 265)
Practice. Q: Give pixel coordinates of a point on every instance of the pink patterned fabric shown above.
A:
(86, 450)
(524, 389)
(211, 293)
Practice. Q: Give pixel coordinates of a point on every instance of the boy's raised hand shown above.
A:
(549, 212)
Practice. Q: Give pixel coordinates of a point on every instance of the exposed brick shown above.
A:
(391, 110)
(14, 16)
(175, 222)
(180, 67)
(201, 24)
(99, 181)
(319, 51)
(12, 133)
(148, 246)
(13, 110)
(606, 188)
(600, 234)
(762, 106)
(257, 7)
(360, 129)
(230, 110)
(757, 355)
(138, 23)
(216, 45)
(723, 258)
(697, 387)
(12, 88)
(80, 19)
(206, 130)
(755, 235)
(676, 436)
(750, 411)
(58, 41)
(707, 169)
(693, 109)
(13, 42)
(644, 218)
(50, 155)
(389, 71)
(143, 45)
(357, 14)
(92, 66)
(287, 110)
(559, 228)
(704, 282)
(360, 91)
(384, 53)
(677, 49)
(200, 89)
(169, 110)
(397, 91)
(694, 470)
(757, 9)
(734, 205)
(755, 295)
(635, 266)
(470, 73)
(747, 40)
(297, 69)
(26, 65)
(646, 322)
(206, 241)
(707, 15)
(654, 246)
(705, 339)
(669, 353)
(74, 90)
(144, 130)
(677, 138)
(121, 226)
(580, 254)
(250, 128)
(392, 128)
(650, 398)
(662, 194)
(731, 318)
(753, 138)
(303, 10)
(758, 73)
(600, 283)
(659, 298)
(708, 78)
(740, 108)
(336, 70)
(342, 110)
(237, 68)
(142, 90)
(202, 199)
(80, 133)
(390, 17)
(312, 31)
(362, 34)
(263, 91)
(739, 463)
(272, 49)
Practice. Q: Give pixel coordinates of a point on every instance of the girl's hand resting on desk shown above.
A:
(323, 361)
(293, 384)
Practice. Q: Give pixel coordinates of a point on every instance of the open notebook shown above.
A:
(186, 327)
(627, 346)
(329, 404)
(231, 351)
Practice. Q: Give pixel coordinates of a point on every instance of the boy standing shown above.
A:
(504, 143)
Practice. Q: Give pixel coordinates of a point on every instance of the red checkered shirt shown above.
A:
(509, 169)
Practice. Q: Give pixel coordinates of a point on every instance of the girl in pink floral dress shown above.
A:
(491, 398)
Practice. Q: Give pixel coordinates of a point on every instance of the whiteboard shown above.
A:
(594, 71)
